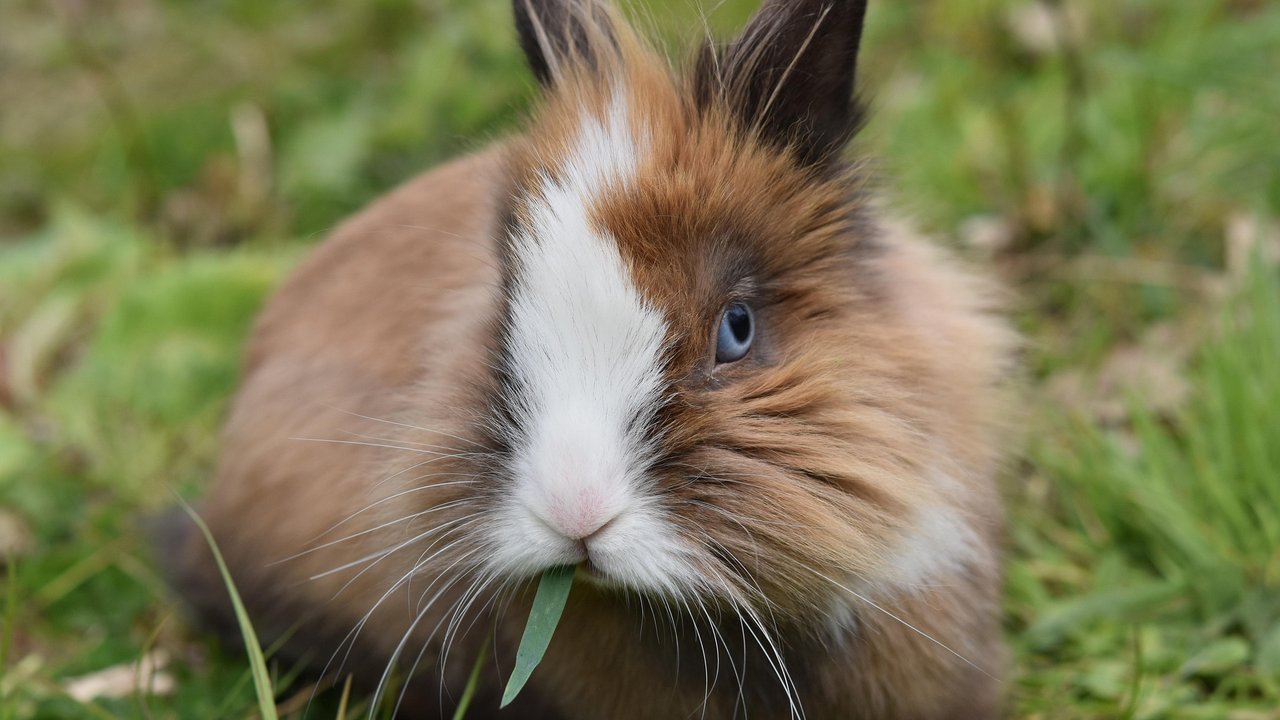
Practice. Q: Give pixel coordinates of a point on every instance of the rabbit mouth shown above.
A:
(592, 573)
(635, 549)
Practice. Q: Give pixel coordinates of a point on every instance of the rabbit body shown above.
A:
(664, 335)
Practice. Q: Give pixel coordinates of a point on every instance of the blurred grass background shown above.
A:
(164, 162)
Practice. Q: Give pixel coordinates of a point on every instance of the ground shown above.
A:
(1117, 162)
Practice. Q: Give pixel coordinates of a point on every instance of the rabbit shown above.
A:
(668, 335)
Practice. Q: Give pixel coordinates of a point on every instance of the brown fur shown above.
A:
(872, 392)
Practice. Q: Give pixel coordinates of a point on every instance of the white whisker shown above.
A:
(905, 624)
(352, 635)
(369, 444)
(412, 427)
(389, 523)
(395, 654)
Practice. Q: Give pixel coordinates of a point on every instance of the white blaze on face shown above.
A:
(586, 349)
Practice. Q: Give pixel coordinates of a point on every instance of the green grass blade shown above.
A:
(548, 604)
(346, 697)
(6, 634)
(257, 663)
(469, 692)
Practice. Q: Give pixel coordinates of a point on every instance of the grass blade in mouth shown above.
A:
(548, 604)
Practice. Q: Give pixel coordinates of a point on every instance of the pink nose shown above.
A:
(578, 520)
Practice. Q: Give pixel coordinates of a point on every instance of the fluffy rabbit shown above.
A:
(665, 335)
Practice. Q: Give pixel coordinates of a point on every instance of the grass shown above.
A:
(1165, 540)
(163, 164)
(262, 685)
(544, 615)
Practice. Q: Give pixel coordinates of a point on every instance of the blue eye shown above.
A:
(737, 328)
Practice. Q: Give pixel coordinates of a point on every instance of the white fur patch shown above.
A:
(587, 350)
(933, 549)
(939, 545)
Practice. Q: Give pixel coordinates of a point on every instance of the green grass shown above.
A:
(544, 615)
(1164, 540)
(263, 688)
(164, 163)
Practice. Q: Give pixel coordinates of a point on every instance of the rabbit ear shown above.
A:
(790, 76)
(557, 34)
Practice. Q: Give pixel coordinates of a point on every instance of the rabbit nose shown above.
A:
(580, 518)
(583, 527)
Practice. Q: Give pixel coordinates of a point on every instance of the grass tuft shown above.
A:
(1165, 534)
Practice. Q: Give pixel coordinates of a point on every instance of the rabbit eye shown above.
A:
(737, 328)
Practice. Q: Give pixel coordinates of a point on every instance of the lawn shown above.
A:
(163, 164)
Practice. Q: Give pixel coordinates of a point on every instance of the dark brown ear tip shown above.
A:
(527, 32)
(556, 33)
(789, 78)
